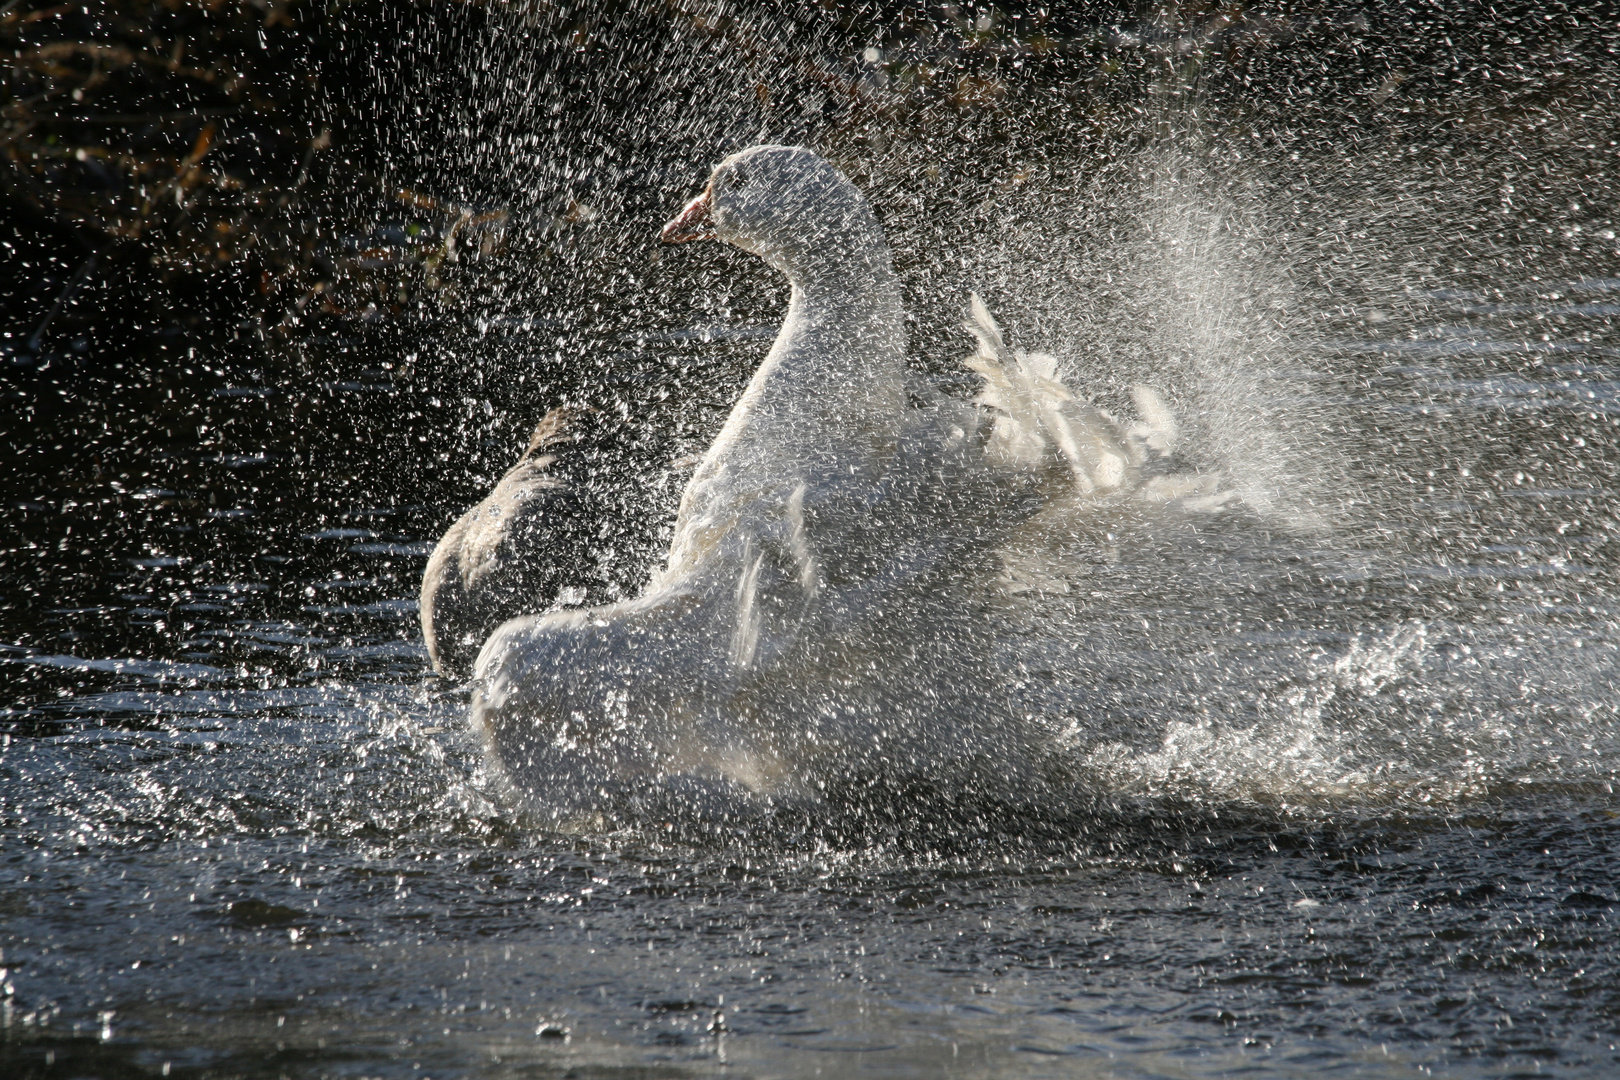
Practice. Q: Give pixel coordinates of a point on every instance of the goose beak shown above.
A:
(692, 223)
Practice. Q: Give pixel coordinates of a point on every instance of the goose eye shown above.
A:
(740, 177)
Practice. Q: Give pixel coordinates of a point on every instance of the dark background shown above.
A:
(255, 168)
(274, 270)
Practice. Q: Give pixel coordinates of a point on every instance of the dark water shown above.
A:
(1344, 763)
(1365, 823)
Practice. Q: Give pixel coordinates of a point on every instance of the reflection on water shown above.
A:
(1341, 768)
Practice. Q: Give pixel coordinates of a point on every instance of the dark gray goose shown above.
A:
(559, 530)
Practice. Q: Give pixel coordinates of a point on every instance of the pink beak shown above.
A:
(692, 223)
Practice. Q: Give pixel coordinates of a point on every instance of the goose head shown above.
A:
(790, 207)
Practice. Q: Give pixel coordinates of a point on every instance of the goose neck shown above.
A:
(839, 306)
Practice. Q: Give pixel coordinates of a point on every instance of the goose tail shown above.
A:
(1155, 432)
(1038, 422)
(1037, 418)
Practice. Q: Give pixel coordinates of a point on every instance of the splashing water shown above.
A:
(1332, 782)
(1379, 723)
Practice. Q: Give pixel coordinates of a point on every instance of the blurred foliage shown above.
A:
(254, 164)
(204, 158)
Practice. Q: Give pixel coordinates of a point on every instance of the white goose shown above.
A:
(816, 615)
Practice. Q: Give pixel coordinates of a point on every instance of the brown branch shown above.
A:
(139, 118)
(39, 57)
(13, 18)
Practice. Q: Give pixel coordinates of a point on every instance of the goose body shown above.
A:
(817, 615)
